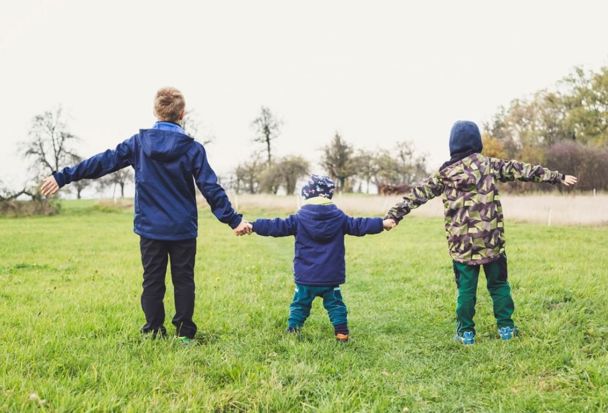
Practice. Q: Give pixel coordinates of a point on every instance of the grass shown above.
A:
(69, 341)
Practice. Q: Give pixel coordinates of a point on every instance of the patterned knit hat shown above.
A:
(318, 185)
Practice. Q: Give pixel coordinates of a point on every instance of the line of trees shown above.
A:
(565, 128)
(352, 169)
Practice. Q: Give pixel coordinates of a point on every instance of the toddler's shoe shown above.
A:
(341, 337)
(467, 338)
(293, 330)
(507, 333)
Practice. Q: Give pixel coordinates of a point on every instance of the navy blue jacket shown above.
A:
(167, 164)
(319, 246)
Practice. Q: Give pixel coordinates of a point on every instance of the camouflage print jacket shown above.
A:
(473, 214)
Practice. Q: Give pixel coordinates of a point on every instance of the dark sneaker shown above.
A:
(342, 338)
(154, 334)
(293, 330)
(467, 338)
(507, 333)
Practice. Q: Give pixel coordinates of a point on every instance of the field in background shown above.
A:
(69, 341)
(541, 209)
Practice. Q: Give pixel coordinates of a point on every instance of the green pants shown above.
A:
(299, 310)
(498, 286)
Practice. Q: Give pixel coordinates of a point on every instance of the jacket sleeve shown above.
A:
(276, 227)
(506, 171)
(99, 165)
(363, 226)
(419, 195)
(214, 194)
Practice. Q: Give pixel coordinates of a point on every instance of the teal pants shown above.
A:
(299, 310)
(467, 277)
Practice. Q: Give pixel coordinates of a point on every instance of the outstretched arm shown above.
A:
(216, 197)
(506, 171)
(276, 227)
(94, 167)
(363, 226)
(421, 194)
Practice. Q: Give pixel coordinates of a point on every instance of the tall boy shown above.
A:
(319, 269)
(474, 222)
(167, 164)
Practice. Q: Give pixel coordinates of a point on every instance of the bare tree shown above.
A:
(119, 179)
(192, 127)
(49, 144)
(80, 185)
(366, 166)
(267, 128)
(292, 168)
(8, 195)
(284, 172)
(411, 167)
(248, 175)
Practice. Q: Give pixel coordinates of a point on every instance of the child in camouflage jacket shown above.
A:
(474, 222)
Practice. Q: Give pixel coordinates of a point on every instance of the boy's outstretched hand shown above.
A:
(569, 180)
(389, 224)
(49, 186)
(243, 228)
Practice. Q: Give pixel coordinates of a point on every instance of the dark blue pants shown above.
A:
(299, 310)
(154, 257)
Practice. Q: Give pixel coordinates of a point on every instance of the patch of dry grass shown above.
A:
(547, 209)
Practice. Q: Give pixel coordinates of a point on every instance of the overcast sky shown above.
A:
(376, 71)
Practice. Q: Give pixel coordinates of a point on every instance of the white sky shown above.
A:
(377, 71)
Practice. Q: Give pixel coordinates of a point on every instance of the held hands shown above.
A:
(244, 228)
(49, 186)
(569, 180)
(389, 224)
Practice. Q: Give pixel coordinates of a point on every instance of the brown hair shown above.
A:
(169, 104)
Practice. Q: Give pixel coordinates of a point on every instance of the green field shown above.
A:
(69, 340)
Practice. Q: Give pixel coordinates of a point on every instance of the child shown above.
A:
(474, 222)
(167, 163)
(319, 228)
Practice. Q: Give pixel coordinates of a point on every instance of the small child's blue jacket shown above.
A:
(319, 246)
(167, 164)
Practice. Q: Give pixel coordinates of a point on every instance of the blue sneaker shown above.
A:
(507, 333)
(467, 338)
(186, 341)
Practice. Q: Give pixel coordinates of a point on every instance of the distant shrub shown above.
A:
(588, 163)
(110, 207)
(15, 208)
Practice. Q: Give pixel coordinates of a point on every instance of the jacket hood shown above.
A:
(321, 222)
(163, 145)
(465, 137)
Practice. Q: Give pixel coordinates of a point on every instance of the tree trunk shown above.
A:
(268, 149)
(122, 190)
(78, 191)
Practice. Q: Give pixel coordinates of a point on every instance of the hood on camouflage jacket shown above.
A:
(473, 213)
